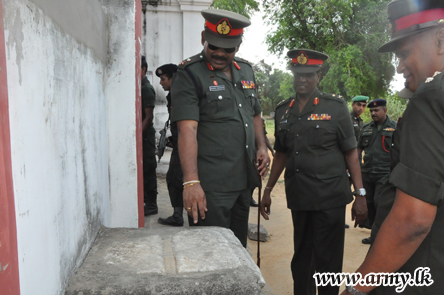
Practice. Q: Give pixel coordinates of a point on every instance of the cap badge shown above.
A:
(159, 71)
(223, 27)
(441, 21)
(375, 103)
(302, 58)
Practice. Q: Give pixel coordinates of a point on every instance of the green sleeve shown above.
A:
(346, 133)
(184, 98)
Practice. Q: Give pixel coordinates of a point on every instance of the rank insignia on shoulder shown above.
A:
(389, 129)
(248, 85)
(185, 61)
(430, 79)
(217, 88)
(317, 117)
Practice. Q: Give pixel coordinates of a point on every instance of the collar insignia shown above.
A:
(210, 67)
(316, 101)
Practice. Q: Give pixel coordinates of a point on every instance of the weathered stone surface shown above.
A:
(206, 260)
(252, 233)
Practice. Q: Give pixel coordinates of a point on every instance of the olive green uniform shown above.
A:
(149, 149)
(316, 183)
(376, 142)
(174, 175)
(357, 124)
(417, 161)
(224, 110)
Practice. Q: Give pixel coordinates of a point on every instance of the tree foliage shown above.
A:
(273, 85)
(349, 31)
(244, 7)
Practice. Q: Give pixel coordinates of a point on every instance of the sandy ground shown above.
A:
(277, 252)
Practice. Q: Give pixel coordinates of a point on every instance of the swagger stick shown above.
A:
(259, 227)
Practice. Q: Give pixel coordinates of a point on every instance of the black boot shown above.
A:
(175, 220)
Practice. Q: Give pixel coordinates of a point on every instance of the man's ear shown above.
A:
(440, 39)
(202, 40)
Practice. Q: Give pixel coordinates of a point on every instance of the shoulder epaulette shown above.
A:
(367, 124)
(189, 61)
(335, 97)
(242, 60)
(284, 102)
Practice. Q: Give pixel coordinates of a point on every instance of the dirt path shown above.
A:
(277, 252)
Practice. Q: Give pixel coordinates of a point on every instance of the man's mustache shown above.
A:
(217, 57)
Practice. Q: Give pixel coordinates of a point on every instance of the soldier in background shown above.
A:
(358, 107)
(174, 177)
(375, 141)
(149, 147)
(315, 144)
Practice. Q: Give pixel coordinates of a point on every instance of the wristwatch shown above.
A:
(360, 192)
(351, 289)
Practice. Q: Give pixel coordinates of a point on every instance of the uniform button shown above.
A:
(240, 105)
(235, 85)
(299, 118)
(252, 95)
(220, 97)
(297, 170)
(247, 146)
(297, 135)
(246, 125)
(297, 153)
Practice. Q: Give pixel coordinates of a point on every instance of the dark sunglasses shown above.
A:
(227, 50)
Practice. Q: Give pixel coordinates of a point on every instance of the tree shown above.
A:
(244, 7)
(273, 85)
(349, 31)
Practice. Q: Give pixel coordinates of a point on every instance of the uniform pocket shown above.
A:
(319, 136)
(217, 105)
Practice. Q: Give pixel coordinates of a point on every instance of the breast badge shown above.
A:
(321, 117)
(248, 85)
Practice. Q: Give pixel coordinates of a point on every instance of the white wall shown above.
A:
(59, 143)
(171, 33)
(121, 108)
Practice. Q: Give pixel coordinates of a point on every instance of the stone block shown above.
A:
(252, 232)
(173, 261)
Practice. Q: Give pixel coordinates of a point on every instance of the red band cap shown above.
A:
(231, 31)
(419, 18)
(310, 62)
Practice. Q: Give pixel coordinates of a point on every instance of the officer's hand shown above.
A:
(194, 201)
(263, 162)
(266, 204)
(359, 210)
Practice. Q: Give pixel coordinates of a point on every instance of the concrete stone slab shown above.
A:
(205, 260)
